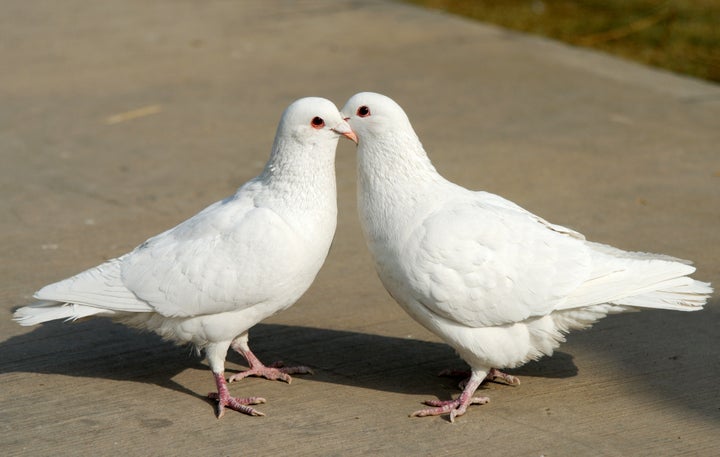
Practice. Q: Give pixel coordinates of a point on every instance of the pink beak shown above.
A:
(344, 129)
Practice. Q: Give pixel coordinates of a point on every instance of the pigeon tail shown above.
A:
(639, 280)
(98, 290)
(45, 311)
(679, 294)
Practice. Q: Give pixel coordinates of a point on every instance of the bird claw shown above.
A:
(497, 375)
(454, 407)
(274, 372)
(458, 406)
(236, 404)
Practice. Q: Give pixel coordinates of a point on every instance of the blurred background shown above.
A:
(682, 36)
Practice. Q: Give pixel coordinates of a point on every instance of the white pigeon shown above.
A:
(237, 262)
(496, 282)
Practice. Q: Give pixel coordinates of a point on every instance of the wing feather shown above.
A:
(494, 264)
(225, 262)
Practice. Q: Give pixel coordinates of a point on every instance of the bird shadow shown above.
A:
(667, 356)
(379, 362)
(100, 348)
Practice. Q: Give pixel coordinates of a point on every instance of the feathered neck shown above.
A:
(395, 159)
(396, 181)
(300, 174)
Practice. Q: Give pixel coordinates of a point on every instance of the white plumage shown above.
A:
(240, 260)
(496, 282)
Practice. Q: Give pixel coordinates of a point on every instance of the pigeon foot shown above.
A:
(238, 404)
(460, 405)
(274, 372)
(454, 407)
(496, 375)
(224, 399)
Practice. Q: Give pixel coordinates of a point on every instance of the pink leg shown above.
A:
(274, 371)
(459, 406)
(238, 404)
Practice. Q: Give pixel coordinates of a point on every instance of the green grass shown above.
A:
(682, 36)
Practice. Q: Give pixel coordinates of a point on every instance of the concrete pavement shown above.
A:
(120, 119)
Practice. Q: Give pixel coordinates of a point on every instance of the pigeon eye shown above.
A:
(363, 111)
(317, 123)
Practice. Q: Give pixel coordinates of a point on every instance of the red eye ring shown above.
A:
(363, 111)
(317, 123)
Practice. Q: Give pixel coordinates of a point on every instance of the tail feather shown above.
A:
(640, 280)
(45, 311)
(100, 287)
(688, 296)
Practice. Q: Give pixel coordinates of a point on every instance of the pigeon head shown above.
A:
(313, 120)
(372, 115)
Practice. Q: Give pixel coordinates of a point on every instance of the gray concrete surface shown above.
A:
(120, 119)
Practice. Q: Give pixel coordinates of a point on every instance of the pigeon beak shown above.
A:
(343, 128)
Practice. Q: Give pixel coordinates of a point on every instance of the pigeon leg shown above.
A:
(459, 406)
(275, 371)
(238, 404)
(493, 375)
(496, 375)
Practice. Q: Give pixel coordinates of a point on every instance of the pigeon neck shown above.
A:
(395, 179)
(395, 161)
(303, 176)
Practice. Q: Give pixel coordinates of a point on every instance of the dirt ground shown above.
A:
(120, 119)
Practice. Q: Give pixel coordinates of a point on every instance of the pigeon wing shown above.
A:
(226, 258)
(493, 264)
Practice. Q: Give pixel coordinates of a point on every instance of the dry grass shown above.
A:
(682, 36)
